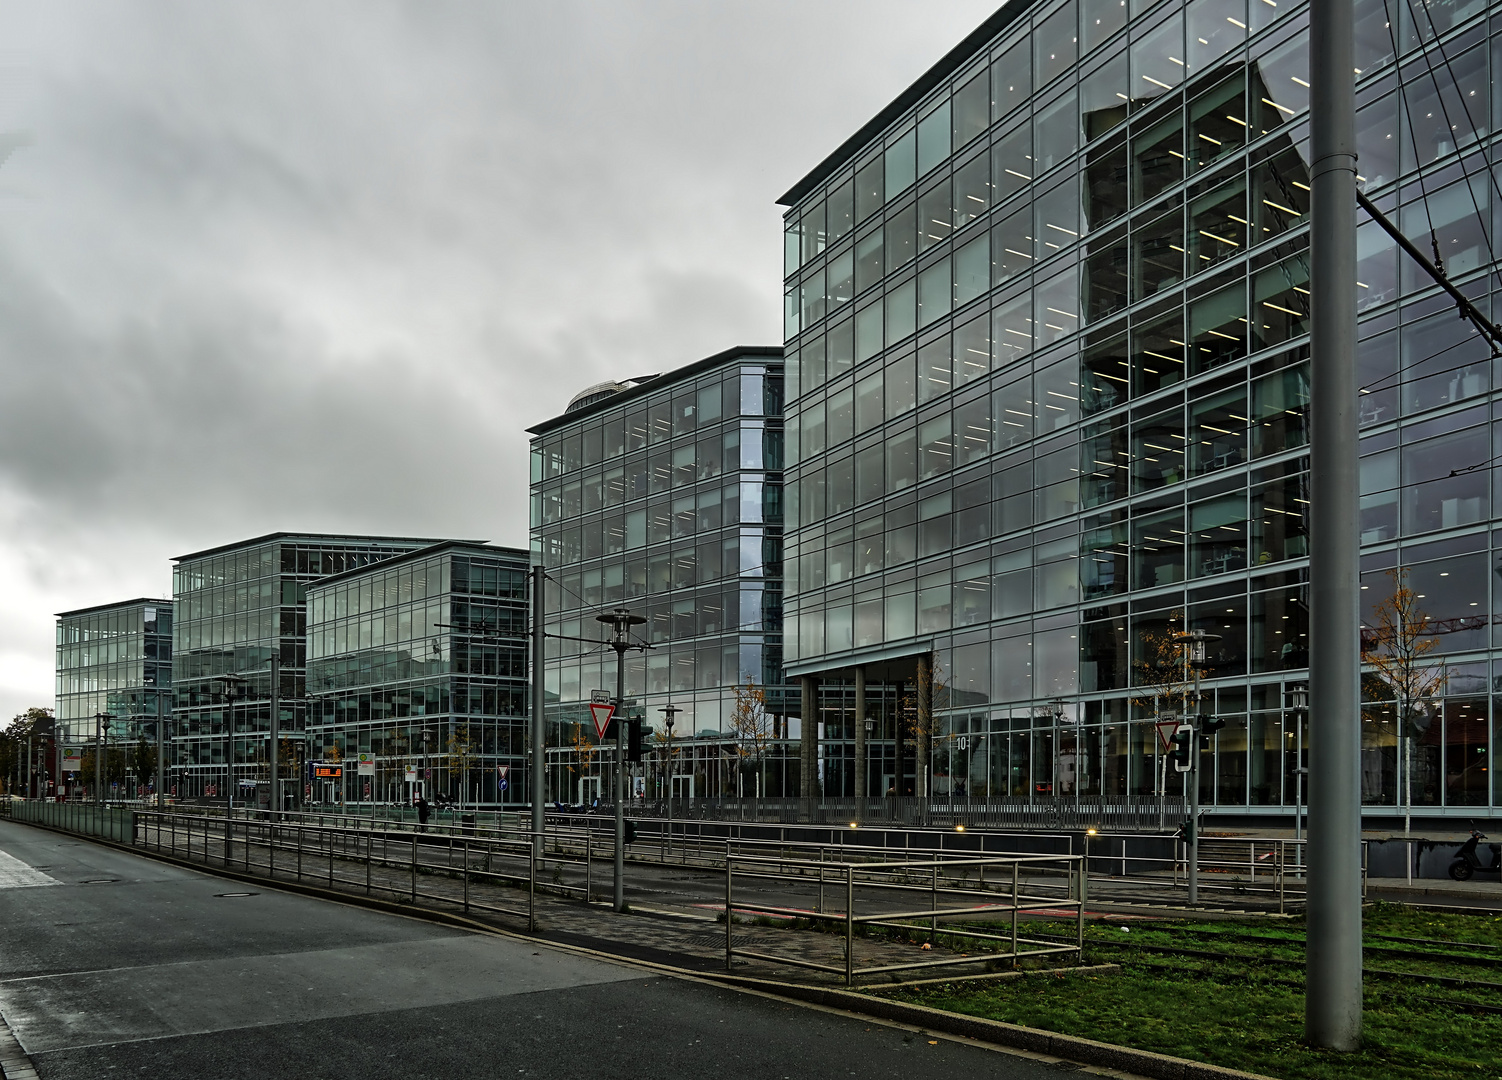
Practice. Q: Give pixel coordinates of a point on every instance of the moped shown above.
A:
(1467, 861)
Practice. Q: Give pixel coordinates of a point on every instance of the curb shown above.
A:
(996, 1032)
(14, 1064)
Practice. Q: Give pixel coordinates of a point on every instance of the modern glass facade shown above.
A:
(237, 606)
(114, 659)
(430, 643)
(1047, 381)
(665, 496)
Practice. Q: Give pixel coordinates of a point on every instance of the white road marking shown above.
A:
(15, 874)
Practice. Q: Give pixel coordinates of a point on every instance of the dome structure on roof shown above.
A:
(600, 391)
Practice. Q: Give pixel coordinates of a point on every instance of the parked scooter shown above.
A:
(1468, 861)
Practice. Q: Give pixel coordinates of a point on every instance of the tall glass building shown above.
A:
(114, 660)
(237, 606)
(1047, 387)
(421, 661)
(663, 494)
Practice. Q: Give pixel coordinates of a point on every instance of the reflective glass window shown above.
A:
(935, 215)
(971, 109)
(1011, 79)
(1104, 96)
(1055, 43)
(972, 190)
(1157, 59)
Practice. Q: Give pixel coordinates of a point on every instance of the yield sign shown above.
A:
(601, 712)
(1166, 728)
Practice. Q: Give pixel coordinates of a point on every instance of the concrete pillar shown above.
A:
(862, 786)
(808, 744)
(924, 734)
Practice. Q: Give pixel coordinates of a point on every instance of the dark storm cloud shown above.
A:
(316, 266)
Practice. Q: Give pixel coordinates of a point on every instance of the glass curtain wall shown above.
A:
(1047, 349)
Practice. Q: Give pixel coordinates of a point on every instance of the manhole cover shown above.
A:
(98, 880)
(232, 895)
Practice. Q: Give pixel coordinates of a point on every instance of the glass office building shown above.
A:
(237, 606)
(421, 661)
(115, 660)
(663, 494)
(1047, 384)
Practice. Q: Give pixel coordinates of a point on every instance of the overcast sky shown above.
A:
(315, 266)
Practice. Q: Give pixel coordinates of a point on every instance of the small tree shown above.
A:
(1164, 680)
(1397, 646)
(143, 761)
(751, 727)
(462, 755)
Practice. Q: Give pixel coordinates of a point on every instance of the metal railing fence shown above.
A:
(1036, 884)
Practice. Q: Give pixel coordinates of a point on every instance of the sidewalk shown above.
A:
(1479, 892)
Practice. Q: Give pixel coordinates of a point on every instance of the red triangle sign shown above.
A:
(602, 714)
(1166, 728)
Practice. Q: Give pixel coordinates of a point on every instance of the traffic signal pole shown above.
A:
(621, 620)
(1332, 1001)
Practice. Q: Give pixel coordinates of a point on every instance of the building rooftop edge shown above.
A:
(703, 364)
(481, 546)
(110, 607)
(266, 539)
(948, 64)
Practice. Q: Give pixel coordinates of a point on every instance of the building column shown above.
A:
(861, 749)
(899, 740)
(808, 744)
(925, 725)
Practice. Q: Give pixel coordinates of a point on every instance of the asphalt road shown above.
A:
(113, 965)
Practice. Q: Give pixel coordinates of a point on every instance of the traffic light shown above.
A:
(1186, 832)
(1182, 739)
(1209, 725)
(633, 739)
(630, 830)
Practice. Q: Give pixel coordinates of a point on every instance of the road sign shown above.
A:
(1166, 729)
(504, 770)
(72, 759)
(601, 712)
(366, 764)
(411, 774)
(503, 784)
(600, 697)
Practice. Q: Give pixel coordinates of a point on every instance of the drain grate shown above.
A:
(98, 880)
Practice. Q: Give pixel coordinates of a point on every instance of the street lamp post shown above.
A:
(101, 738)
(1194, 642)
(230, 681)
(669, 711)
(1056, 710)
(621, 621)
(1298, 700)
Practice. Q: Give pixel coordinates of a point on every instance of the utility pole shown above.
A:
(161, 750)
(539, 708)
(621, 621)
(1332, 1002)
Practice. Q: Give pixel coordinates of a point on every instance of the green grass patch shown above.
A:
(1245, 1010)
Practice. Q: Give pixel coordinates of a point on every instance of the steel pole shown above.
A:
(1332, 1001)
(539, 724)
(161, 750)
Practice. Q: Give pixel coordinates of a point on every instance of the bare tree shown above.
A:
(1396, 646)
(1164, 680)
(751, 728)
